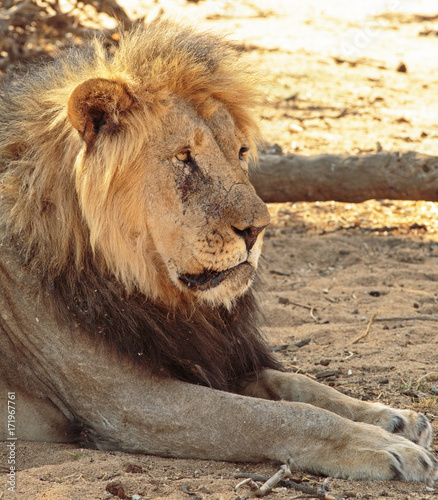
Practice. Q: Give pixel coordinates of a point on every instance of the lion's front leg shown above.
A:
(121, 406)
(168, 417)
(272, 384)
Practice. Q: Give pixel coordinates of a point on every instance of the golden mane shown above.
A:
(39, 147)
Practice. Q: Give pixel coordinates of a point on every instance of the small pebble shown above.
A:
(402, 68)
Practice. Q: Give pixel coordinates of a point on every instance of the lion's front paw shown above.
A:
(371, 453)
(411, 462)
(385, 457)
(413, 426)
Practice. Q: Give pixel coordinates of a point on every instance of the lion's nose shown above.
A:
(249, 234)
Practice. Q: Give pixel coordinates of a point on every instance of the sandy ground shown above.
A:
(332, 85)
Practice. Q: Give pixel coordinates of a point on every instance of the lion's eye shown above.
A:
(183, 156)
(242, 153)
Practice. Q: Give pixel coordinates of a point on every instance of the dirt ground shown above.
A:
(333, 271)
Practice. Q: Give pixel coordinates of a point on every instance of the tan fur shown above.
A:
(129, 225)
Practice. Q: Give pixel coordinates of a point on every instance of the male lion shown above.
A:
(130, 238)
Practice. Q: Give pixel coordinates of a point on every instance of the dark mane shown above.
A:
(210, 346)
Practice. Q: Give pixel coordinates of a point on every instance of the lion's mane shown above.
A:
(42, 220)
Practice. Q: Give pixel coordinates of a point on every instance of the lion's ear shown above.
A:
(97, 103)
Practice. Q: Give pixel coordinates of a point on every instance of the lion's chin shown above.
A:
(242, 275)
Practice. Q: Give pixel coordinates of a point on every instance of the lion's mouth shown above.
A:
(210, 279)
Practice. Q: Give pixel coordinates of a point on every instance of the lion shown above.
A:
(130, 241)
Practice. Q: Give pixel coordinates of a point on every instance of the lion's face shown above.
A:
(178, 214)
(205, 219)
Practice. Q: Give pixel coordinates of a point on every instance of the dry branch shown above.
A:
(32, 29)
(394, 176)
(409, 318)
(280, 479)
(367, 331)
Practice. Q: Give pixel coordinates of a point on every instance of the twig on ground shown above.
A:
(327, 374)
(303, 342)
(361, 337)
(248, 481)
(274, 480)
(312, 315)
(278, 480)
(269, 484)
(409, 318)
(300, 305)
(428, 377)
(247, 475)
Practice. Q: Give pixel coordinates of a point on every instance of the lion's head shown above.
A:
(174, 201)
(156, 139)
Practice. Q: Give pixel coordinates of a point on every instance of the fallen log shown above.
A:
(329, 177)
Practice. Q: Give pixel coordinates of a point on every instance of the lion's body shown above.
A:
(130, 237)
